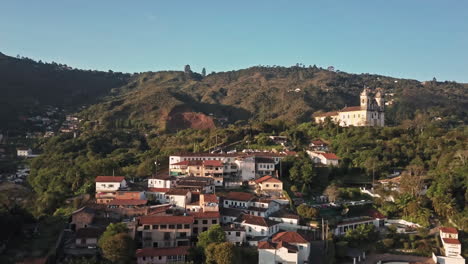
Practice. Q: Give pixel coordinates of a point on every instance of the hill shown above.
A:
(176, 100)
(26, 86)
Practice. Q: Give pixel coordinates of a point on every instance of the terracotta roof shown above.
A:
(318, 143)
(166, 219)
(266, 245)
(450, 230)
(351, 109)
(210, 198)
(215, 163)
(177, 192)
(189, 163)
(163, 190)
(159, 209)
(154, 252)
(375, 214)
(233, 228)
(258, 220)
(110, 178)
(263, 159)
(128, 202)
(334, 113)
(330, 156)
(451, 241)
(239, 196)
(267, 178)
(290, 237)
(198, 215)
(88, 232)
(282, 214)
(205, 155)
(271, 245)
(85, 209)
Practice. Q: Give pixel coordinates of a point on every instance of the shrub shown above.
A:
(293, 188)
(413, 245)
(412, 237)
(388, 242)
(406, 245)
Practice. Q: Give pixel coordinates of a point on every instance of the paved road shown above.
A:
(374, 258)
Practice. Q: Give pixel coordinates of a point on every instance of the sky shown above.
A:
(415, 39)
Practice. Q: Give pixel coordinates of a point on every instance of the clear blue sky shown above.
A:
(416, 39)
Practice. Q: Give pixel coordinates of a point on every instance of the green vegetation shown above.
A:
(116, 245)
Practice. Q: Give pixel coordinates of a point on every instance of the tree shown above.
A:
(332, 192)
(203, 72)
(362, 236)
(412, 180)
(222, 253)
(187, 69)
(307, 212)
(116, 244)
(214, 234)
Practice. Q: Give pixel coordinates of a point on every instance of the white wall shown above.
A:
(254, 230)
(110, 186)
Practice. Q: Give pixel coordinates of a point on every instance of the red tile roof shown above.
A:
(198, 215)
(189, 163)
(177, 192)
(375, 214)
(334, 113)
(159, 209)
(351, 108)
(154, 252)
(215, 163)
(163, 190)
(210, 198)
(451, 241)
(318, 143)
(270, 245)
(128, 202)
(239, 196)
(258, 220)
(289, 237)
(267, 178)
(330, 156)
(266, 245)
(450, 230)
(110, 178)
(165, 219)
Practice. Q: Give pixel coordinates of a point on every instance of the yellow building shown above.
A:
(369, 113)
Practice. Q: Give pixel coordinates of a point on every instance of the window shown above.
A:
(111, 185)
(155, 244)
(214, 221)
(171, 226)
(205, 222)
(163, 226)
(229, 233)
(195, 230)
(179, 226)
(186, 226)
(267, 185)
(237, 234)
(195, 222)
(146, 227)
(204, 229)
(155, 226)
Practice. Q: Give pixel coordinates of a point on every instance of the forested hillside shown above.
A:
(152, 100)
(27, 85)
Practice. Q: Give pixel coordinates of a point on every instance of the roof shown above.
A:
(257, 209)
(451, 241)
(198, 215)
(264, 160)
(110, 178)
(233, 228)
(159, 209)
(266, 245)
(189, 163)
(290, 237)
(283, 214)
(85, 209)
(267, 178)
(239, 196)
(128, 202)
(166, 219)
(351, 109)
(318, 142)
(257, 220)
(215, 163)
(230, 212)
(210, 198)
(450, 230)
(88, 232)
(163, 190)
(152, 252)
(177, 192)
(330, 156)
(272, 245)
(375, 214)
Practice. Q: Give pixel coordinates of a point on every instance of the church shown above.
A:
(369, 113)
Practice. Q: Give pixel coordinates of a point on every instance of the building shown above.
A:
(239, 200)
(327, 159)
(229, 215)
(318, 145)
(157, 194)
(23, 152)
(165, 231)
(263, 207)
(128, 207)
(130, 195)
(288, 221)
(257, 226)
(284, 247)
(107, 187)
(203, 221)
(162, 181)
(82, 218)
(269, 185)
(87, 237)
(371, 112)
(235, 234)
(179, 197)
(450, 242)
(196, 184)
(352, 223)
(162, 255)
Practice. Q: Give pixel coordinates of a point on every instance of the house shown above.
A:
(157, 194)
(203, 221)
(263, 207)
(87, 237)
(23, 152)
(284, 247)
(196, 184)
(288, 221)
(229, 215)
(370, 112)
(327, 159)
(257, 226)
(238, 200)
(235, 234)
(130, 195)
(162, 255)
(162, 181)
(179, 197)
(165, 231)
(264, 166)
(107, 187)
(82, 218)
(269, 184)
(450, 242)
(352, 223)
(318, 145)
(128, 207)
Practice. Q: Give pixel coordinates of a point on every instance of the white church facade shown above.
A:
(369, 113)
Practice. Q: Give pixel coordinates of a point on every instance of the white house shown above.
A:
(229, 215)
(157, 194)
(264, 166)
(263, 207)
(284, 247)
(288, 221)
(239, 200)
(235, 234)
(449, 237)
(352, 223)
(257, 226)
(107, 187)
(320, 157)
(179, 197)
(162, 255)
(160, 181)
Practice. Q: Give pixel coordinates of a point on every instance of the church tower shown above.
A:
(365, 100)
(379, 98)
